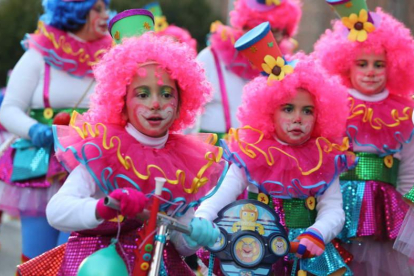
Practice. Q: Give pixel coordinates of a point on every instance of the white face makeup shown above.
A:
(152, 101)
(294, 120)
(369, 73)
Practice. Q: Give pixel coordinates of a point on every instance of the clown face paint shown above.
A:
(152, 101)
(96, 25)
(369, 73)
(294, 120)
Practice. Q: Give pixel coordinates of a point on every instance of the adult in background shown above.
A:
(52, 79)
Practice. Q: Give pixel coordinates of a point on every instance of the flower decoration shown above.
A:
(276, 68)
(272, 2)
(359, 26)
(160, 23)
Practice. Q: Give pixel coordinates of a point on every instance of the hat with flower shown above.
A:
(259, 46)
(160, 20)
(284, 15)
(163, 28)
(130, 23)
(356, 17)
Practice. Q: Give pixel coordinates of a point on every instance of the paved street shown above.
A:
(10, 246)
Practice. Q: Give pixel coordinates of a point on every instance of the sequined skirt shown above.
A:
(372, 208)
(66, 259)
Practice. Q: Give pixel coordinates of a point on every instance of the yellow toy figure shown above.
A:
(248, 218)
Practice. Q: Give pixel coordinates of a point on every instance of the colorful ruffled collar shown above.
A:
(64, 51)
(284, 171)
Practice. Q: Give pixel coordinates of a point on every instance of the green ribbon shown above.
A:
(38, 114)
(297, 215)
(220, 135)
(372, 167)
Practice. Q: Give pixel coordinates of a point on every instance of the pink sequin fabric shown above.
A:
(82, 244)
(382, 211)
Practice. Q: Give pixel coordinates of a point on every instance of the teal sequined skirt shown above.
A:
(325, 264)
(352, 194)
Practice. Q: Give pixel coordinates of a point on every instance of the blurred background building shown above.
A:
(18, 17)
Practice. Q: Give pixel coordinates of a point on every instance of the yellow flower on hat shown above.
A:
(272, 2)
(160, 23)
(359, 26)
(276, 68)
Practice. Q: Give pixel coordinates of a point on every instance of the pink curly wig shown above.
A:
(285, 16)
(260, 100)
(337, 53)
(118, 67)
(182, 35)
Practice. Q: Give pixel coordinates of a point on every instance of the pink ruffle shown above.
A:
(375, 258)
(222, 41)
(181, 152)
(404, 242)
(285, 170)
(382, 211)
(182, 35)
(26, 201)
(386, 136)
(78, 61)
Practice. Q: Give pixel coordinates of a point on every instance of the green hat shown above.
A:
(154, 8)
(345, 8)
(160, 20)
(131, 23)
(356, 17)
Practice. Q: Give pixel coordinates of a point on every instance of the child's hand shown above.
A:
(132, 202)
(311, 240)
(203, 233)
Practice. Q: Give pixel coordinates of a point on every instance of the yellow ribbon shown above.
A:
(87, 130)
(377, 123)
(250, 149)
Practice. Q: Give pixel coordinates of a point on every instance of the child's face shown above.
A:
(294, 120)
(369, 73)
(152, 101)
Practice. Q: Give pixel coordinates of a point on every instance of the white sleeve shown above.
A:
(177, 238)
(73, 207)
(405, 179)
(20, 89)
(205, 58)
(233, 185)
(331, 216)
